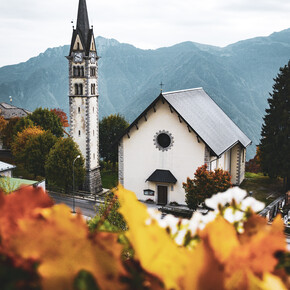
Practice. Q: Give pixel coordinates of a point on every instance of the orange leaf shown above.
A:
(18, 205)
(63, 246)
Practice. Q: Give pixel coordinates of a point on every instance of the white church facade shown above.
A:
(176, 134)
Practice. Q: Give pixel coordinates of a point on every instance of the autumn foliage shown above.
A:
(205, 184)
(45, 246)
(62, 116)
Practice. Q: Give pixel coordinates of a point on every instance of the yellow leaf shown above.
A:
(157, 252)
(63, 246)
(269, 282)
(222, 238)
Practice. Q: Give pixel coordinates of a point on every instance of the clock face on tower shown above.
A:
(78, 57)
(93, 57)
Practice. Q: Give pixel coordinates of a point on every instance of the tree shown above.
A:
(8, 132)
(253, 165)
(62, 115)
(275, 141)
(22, 124)
(110, 128)
(59, 164)
(21, 140)
(205, 184)
(36, 152)
(47, 120)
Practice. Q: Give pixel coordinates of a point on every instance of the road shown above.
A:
(87, 207)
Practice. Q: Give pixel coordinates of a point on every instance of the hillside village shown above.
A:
(173, 179)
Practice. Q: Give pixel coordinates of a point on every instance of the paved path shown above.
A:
(87, 207)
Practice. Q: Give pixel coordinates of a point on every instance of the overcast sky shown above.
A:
(29, 27)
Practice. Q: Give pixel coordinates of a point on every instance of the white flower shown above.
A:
(233, 216)
(228, 196)
(169, 221)
(252, 203)
(180, 237)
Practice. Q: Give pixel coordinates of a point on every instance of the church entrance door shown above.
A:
(162, 194)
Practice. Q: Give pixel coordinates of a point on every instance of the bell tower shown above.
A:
(83, 97)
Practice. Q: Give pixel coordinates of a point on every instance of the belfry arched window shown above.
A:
(76, 89)
(80, 89)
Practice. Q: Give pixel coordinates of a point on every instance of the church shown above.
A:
(83, 97)
(178, 132)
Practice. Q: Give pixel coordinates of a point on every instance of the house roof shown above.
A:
(203, 116)
(9, 111)
(160, 175)
(6, 166)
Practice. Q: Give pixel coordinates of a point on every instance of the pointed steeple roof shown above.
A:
(83, 25)
(83, 28)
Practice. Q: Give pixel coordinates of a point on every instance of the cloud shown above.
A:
(38, 24)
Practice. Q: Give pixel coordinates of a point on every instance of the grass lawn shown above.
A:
(109, 179)
(264, 188)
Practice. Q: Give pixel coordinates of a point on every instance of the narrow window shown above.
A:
(76, 89)
(93, 109)
(79, 132)
(82, 71)
(79, 71)
(79, 109)
(93, 132)
(78, 46)
(80, 89)
(94, 156)
(74, 71)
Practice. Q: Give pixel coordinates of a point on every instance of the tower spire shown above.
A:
(83, 25)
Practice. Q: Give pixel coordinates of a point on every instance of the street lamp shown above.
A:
(79, 156)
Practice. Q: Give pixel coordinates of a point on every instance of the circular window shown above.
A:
(163, 140)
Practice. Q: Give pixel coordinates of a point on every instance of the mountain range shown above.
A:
(238, 77)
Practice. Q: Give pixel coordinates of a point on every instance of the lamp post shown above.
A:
(79, 156)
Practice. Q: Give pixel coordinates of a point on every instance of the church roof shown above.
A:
(203, 116)
(207, 119)
(160, 175)
(9, 111)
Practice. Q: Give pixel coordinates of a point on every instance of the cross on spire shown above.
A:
(161, 85)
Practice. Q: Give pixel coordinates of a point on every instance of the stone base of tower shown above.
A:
(93, 181)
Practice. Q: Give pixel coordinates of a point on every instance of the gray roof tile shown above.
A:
(207, 119)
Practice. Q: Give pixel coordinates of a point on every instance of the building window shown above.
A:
(76, 89)
(93, 89)
(79, 133)
(93, 132)
(80, 89)
(93, 71)
(163, 140)
(82, 71)
(93, 109)
(94, 156)
(79, 109)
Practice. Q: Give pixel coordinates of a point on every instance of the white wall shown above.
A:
(141, 157)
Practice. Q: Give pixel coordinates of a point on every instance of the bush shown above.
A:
(205, 184)
(109, 212)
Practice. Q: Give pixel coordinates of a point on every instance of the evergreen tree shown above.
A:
(111, 128)
(275, 141)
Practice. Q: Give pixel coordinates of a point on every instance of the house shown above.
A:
(176, 134)
(6, 169)
(9, 111)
